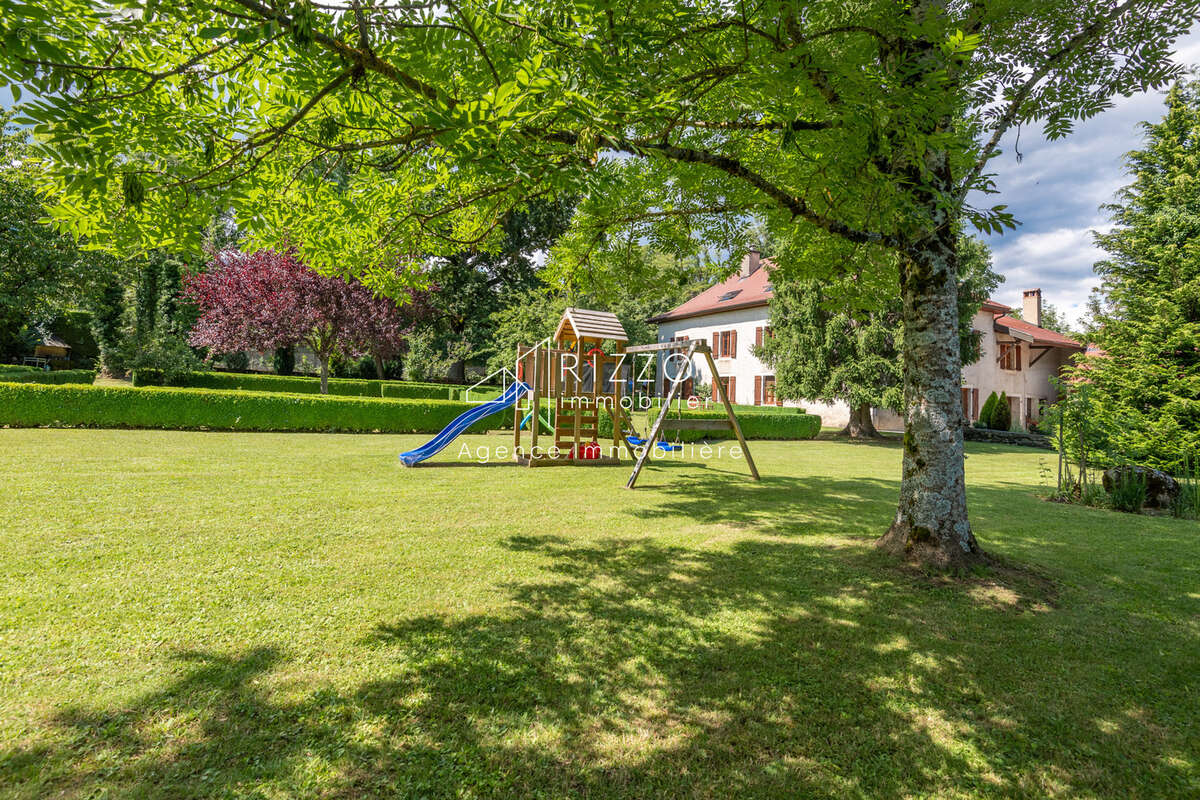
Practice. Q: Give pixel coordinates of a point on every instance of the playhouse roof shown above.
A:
(592, 324)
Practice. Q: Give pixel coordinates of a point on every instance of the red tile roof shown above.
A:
(1021, 329)
(755, 290)
(748, 292)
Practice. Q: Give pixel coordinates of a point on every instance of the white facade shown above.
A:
(741, 365)
(1016, 358)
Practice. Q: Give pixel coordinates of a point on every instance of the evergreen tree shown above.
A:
(145, 300)
(285, 360)
(1148, 323)
(107, 307)
(1001, 418)
(989, 410)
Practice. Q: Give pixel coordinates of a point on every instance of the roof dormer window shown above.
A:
(729, 295)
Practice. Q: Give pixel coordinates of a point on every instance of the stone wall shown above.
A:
(972, 434)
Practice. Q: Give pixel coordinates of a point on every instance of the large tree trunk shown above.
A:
(931, 523)
(861, 426)
(378, 365)
(324, 374)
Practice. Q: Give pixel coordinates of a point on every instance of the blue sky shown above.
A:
(1056, 191)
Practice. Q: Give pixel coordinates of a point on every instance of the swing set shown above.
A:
(578, 380)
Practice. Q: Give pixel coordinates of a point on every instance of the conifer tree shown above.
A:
(1148, 325)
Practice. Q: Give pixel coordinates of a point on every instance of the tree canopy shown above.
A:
(266, 300)
(378, 126)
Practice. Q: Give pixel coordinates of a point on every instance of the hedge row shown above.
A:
(715, 405)
(755, 425)
(304, 384)
(30, 405)
(56, 376)
(10, 368)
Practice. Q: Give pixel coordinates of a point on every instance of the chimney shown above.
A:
(1031, 308)
(750, 263)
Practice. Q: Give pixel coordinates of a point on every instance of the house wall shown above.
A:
(744, 367)
(1031, 382)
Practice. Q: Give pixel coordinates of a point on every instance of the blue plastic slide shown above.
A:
(463, 421)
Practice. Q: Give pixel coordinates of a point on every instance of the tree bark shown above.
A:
(931, 524)
(324, 374)
(861, 426)
(378, 365)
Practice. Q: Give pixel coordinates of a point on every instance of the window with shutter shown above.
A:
(758, 388)
(1010, 355)
(758, 337)
(716, 344)
(768, 391)
(733, 344)
(732, 389)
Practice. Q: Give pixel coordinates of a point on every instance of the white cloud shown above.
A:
(1057, 190)
(1059, 262)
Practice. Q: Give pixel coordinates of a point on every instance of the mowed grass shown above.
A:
(260, 615)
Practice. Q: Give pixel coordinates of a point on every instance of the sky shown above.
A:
(1056, 191)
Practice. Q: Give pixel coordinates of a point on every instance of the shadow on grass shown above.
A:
(771, 667)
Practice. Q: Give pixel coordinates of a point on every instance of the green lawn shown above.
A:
(262, 615)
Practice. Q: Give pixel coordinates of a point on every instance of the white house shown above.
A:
(1017, 356)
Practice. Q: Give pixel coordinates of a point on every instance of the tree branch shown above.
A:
(1076, 42)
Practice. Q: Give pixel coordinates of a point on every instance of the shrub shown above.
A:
(7, 369)
(989, 407)
(1095, 496)
(29, 405)
(302, 384)
(1187, 503)
(755, 425)
(1001, 419)
(58, 376)
(1128, 491)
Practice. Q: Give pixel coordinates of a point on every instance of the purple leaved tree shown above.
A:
(269, 299)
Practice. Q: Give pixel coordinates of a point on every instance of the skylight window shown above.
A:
(729, 295)
(770, 287)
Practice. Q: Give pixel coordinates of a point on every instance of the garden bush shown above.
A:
(6, 369)
(1001, 419)
(755, 425)
(56, 376)
(303, 384)
(31, 405)
(1128, 492)
(989, 407)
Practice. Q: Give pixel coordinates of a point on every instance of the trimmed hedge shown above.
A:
(32, 405)
(755, 425)
(10, 368)
(715, 405)
(57, 376)
(303, 384)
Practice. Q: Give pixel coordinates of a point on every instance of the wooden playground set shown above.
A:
(572, 381)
